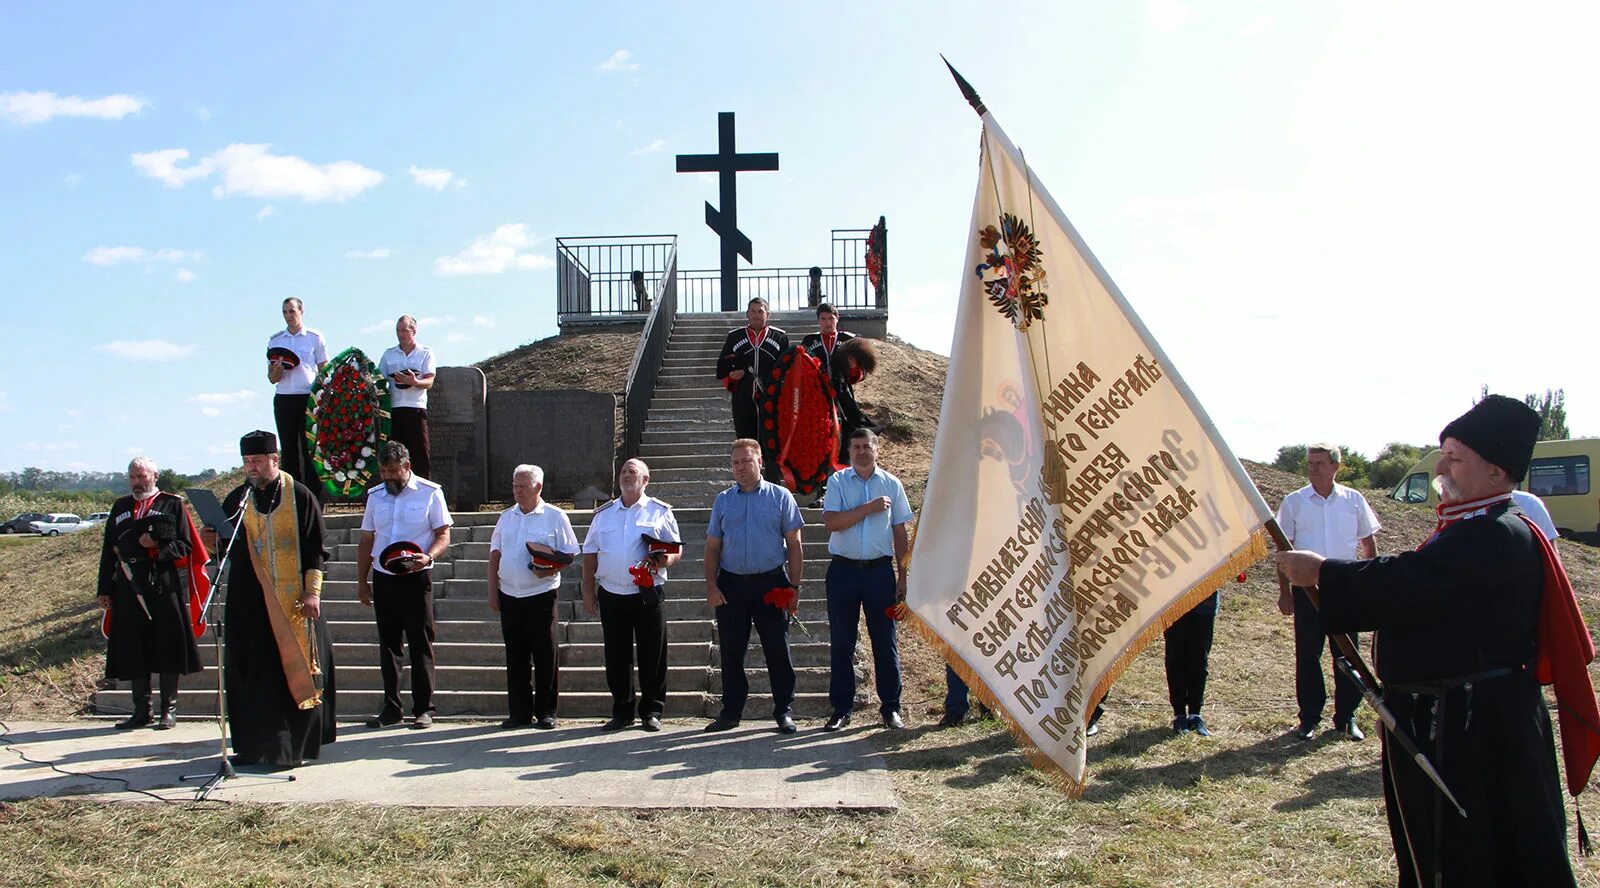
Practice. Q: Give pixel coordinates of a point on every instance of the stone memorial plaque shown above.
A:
(567, 432)
(458, 436)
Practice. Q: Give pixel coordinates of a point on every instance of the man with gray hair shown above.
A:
(405, 526)
(1335, 522)
(632, 540)
(409, 368)
(532, 542)
(147, 565)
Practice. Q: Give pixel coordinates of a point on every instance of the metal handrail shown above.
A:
(646, 366)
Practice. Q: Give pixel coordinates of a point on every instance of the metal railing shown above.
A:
(594, 274)
(646, 366)
(844, 283)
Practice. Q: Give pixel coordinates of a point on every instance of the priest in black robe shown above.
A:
(280, 670)
(1459, 631)
(145, 589)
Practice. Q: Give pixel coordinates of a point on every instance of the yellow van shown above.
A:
(1559, 475)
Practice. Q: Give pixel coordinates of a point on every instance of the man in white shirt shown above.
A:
(1535, 509)
(292, 378)
(1335, 522)
(865, 511)
(405, 527)
(409, 368)
(624, 581)
(531, 541)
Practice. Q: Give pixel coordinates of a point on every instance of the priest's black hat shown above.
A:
(283, 355)
(1502, 430)
(398, 557)
(258, 443)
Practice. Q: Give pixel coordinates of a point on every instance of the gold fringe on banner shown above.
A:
(1246, 555)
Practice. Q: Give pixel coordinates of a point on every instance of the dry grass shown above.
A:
(1249, 806)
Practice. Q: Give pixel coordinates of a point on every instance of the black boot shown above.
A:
(169, 702)
(141, 705)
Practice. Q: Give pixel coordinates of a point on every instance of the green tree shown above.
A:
(1392, 462)
(171, 481)
(1291, 459)
(1552, 410)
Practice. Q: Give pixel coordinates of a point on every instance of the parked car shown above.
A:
(21, 523)
(58, 523)
(98, 517)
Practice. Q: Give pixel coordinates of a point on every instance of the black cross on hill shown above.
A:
(725, 163)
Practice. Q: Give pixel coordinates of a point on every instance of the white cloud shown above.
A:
(51, 446)
(144, 350)
(224, 398)
(651, 148)
(494, 253)
(436, 179)
(72, 413)
(212, 412)
(376, 253)
(264, 212)
(28, 108)
(203, 113)
(458, 337)
(72, 180)
(252, 170)
(621, 60)
(1166, 15)
(483, 320)
(185, 276)
(109, 256)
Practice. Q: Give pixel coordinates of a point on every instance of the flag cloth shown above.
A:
(1079, 500)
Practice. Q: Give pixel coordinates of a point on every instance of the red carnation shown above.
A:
(1240, 577)
(895, 612)
(641, 576)
(781, 597)
(769, 423)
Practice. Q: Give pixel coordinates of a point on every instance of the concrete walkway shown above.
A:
(465, 764)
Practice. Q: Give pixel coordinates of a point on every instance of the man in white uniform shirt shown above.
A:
(524, 594)
(1335, 522)
(293, 388)
(632, 613)
(405, 512)
(865, 511)
(409, 368)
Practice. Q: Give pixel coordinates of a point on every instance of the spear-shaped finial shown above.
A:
(966, 88)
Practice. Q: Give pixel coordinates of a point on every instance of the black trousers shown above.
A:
(403, 606)
(744, 415)
(744, 608)
(409, 426)
(1309, 687)
(289, 413)
(626, 621)
(1188, 652)
(528, 626)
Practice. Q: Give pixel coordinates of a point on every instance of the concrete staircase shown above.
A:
(685, 443)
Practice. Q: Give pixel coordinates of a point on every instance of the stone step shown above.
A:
(650, 451)
(465, 569)
(701, 409)
(707, 426)
(688, 607)
(678, 464)
(366, 676)
(803, 651)
(356, 705)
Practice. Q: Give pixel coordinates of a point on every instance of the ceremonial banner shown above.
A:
(1079, 499)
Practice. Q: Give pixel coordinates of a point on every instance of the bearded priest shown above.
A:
(1468, 628)
(280, 679)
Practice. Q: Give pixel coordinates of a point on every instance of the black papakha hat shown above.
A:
(1502, 430)
(258, 443)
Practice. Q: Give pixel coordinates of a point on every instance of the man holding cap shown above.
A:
(624, 581)
(294, 355)
(532, 542)
(407, 525)
(279, 676)
(1468, 628)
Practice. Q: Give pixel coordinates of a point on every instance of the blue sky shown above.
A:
(1339, 219)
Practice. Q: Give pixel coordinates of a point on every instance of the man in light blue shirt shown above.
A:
(754, 531)
(866, 511)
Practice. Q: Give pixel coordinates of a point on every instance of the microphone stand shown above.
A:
(224, 772)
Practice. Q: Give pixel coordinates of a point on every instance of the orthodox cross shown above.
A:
(725, 163)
